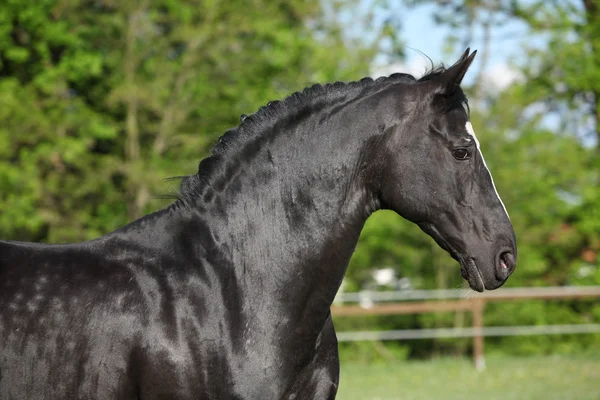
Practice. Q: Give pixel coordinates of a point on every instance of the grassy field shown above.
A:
(543, 378)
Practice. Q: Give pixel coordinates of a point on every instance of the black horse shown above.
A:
(225, 294)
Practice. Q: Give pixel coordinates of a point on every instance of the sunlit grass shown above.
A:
(543, 378)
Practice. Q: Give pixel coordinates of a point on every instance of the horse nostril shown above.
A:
(509, 260)
(506, 265)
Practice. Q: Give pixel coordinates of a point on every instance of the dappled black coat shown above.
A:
(226, 293)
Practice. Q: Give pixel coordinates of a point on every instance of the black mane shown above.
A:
(267, 116)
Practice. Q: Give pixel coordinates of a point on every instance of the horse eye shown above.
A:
(461, 154)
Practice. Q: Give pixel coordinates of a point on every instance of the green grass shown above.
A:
(543, 378)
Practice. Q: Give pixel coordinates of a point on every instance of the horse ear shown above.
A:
(450, 80)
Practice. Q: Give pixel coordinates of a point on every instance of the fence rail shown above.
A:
(525, 330)
(445, 294)
(452, 301)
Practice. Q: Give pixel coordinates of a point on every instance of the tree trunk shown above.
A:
(592, 14)
(136, 198)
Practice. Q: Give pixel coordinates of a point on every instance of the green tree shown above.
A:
(103, 100)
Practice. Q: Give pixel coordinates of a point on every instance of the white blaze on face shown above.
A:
(472, 133)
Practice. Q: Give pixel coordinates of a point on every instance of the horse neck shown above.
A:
(290, 216)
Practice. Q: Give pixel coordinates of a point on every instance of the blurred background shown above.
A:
(102, 100)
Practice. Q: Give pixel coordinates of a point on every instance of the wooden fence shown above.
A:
(426, 301)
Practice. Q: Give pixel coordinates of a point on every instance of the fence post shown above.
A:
(478, 305)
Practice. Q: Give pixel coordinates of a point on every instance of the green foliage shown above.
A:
(100, 101)
(541, 313)
(373, 352)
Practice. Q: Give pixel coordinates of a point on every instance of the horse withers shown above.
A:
(225, 294)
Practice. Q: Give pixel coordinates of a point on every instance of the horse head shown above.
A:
(432, 172)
